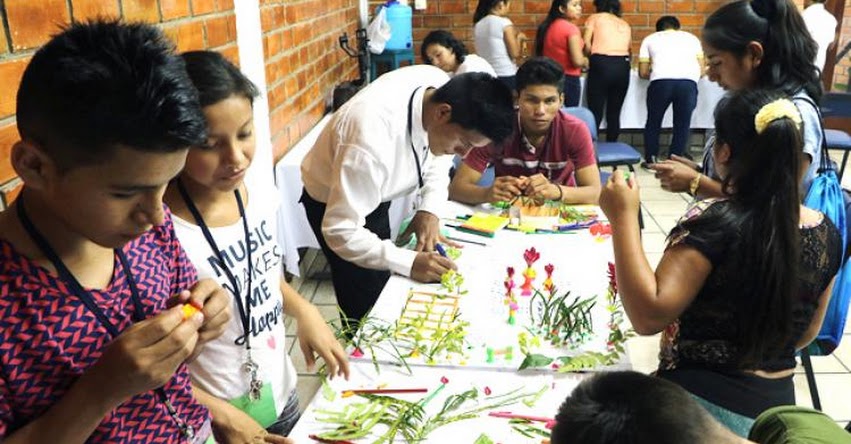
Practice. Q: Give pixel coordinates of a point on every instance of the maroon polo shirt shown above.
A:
(567, 148)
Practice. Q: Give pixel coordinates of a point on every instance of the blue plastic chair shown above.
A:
(487, 175)
(615, 153)
(609, 154)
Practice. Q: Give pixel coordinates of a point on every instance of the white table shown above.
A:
(580, 260)
(293, 228)
(634, 111)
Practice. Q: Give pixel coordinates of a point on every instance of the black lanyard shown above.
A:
(243, 306)
(411, 137)
(86, 298)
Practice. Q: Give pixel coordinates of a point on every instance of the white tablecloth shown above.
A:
(293, 228)
(634, 112)
(580, 263)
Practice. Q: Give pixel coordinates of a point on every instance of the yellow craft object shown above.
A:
(778, 109)
(188, 310)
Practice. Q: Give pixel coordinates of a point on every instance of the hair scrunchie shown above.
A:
(778, 109)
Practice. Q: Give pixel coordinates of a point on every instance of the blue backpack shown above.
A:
(826, 195)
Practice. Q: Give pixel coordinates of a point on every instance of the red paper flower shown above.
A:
(531, 255)
(549, 269)
(357, 353)
(444, 380)
(487, 391)
(510, 271)
(613, 282)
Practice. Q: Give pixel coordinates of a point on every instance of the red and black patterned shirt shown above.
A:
(48, 338)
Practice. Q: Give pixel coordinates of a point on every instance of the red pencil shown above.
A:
(330, 441)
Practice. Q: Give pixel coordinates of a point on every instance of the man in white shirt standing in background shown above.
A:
(822, 27)
(388, 141)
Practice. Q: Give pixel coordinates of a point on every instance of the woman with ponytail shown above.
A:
(559, 38)
(755, 44)
(745, 279)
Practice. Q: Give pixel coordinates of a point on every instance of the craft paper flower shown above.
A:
(613, 282)
(444, 380)
(487, 391)
(357, 353)
(531, 255)
(549, 269)
(510, 271)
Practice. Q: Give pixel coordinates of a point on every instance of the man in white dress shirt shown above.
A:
(822, 26)
(388, 141)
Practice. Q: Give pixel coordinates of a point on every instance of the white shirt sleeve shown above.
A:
(644, 50)
(350, 200)
(435, 190)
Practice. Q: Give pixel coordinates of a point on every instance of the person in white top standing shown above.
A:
(441, 49)
(822, 27)
(226, 222)
(673, 61)
(497, 40)
(386, 142)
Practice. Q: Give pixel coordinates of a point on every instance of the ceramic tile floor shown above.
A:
(661, 210)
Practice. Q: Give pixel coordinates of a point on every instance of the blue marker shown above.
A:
(440, 250)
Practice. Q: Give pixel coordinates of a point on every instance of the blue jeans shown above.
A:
(572, 90)
(288, 417)
(660, 95)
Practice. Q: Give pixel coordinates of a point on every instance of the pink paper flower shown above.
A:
(510, 271)
(357, 353)
(549, 269)
(613, 282)
(444, 380)
(487, 391)
(531, 255)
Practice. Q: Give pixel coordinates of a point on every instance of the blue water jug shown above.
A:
(399, 19)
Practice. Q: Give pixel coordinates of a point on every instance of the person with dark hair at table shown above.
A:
(388, 141)
(550, 155)
(627, 407)
(441, 49)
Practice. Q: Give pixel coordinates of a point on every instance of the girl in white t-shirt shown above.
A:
(227, 226)
(441, 49)
(497, 40)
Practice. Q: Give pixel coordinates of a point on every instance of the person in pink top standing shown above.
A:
(559, 38)
(607, 39)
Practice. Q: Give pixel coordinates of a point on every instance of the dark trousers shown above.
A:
(357, 288)
(572, 90)
(661, 94)
(608, 80)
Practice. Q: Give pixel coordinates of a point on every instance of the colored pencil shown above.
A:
(385, 391)
(458, 239)
(330, 441)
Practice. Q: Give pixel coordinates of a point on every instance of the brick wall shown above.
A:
(456, 16)
(843, 66)
(192, 24)
(303, 62)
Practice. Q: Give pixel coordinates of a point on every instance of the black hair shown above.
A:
(764, 210)
(445, 39)
(483, 8)
(554, 13)
(479, 102)
(216, 78)
(610, 6)
(101, 84)
(789, 50)
(540, 71)
(667, 22)
(628, 407)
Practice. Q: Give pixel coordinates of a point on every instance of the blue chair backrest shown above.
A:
(488, 174)
(586, 116)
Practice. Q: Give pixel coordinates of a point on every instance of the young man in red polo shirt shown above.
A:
(549, 156)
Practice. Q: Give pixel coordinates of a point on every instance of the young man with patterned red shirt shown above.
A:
(93, 281)
(549, 156)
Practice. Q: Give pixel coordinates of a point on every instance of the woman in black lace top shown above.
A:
(745, 279)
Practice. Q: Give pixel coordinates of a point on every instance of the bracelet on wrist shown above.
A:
(560, 192)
